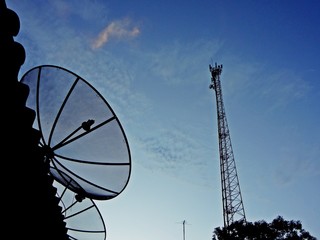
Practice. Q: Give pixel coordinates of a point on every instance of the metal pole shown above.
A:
(184, 230)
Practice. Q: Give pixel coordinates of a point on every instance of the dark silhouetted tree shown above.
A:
(277, 229)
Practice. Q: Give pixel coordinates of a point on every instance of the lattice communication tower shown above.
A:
(233, 209)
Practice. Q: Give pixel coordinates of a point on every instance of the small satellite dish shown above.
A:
(76, 211)
(81, 136)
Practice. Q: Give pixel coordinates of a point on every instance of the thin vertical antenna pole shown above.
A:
(184, 229)
(233, 209)
(184, 222)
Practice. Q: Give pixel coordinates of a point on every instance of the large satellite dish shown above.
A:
(81, 137)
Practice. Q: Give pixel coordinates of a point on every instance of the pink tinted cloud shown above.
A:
(120, 29)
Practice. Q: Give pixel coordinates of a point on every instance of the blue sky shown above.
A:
(150, 59)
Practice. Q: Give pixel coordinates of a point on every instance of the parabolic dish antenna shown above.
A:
(81, 136)
(76, 212)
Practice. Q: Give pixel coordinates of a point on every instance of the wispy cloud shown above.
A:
(180, 62)
(286, 87)
(120, 29)
(294, 165)
(176, 153)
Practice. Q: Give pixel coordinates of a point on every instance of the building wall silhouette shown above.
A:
(30, 206)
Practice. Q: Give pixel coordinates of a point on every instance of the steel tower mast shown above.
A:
(233, 209)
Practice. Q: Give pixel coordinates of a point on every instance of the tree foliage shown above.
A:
(277, 229)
